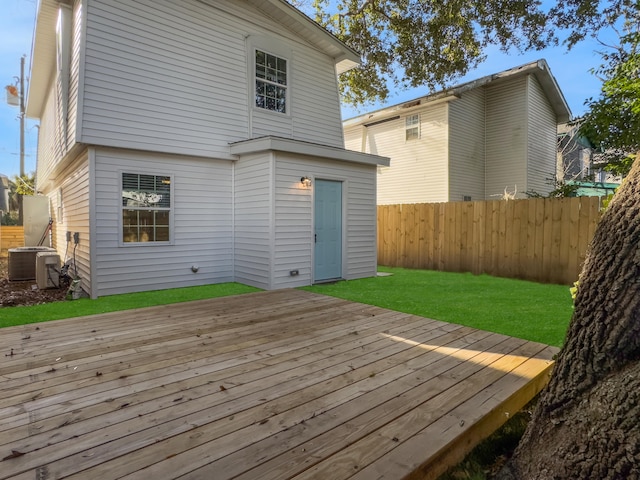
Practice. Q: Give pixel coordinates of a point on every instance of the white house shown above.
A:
(191, 142)
(470, 142)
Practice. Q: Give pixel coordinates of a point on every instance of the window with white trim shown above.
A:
(271, 82)
(146, 208)
(412, 127)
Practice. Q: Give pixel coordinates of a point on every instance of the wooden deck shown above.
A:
(271, 385)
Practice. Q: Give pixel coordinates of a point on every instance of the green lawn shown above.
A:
(77, 308)
(521, 309)
(528, 310)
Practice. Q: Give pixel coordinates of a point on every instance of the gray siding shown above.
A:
(49, 142)
(74, 77)
(202, 228)
(253, 220)
(506, 137)
(467, 146)
(172, 77)
(294, 227)
(70, 213)
(541, 145)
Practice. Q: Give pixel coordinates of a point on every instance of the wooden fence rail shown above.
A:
(10, 237)
(541, 239)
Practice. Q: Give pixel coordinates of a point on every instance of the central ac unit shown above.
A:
(47, 270)
(22, 262)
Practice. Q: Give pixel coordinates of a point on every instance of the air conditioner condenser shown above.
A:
(47, 270)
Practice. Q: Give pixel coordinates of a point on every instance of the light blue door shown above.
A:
(328, 230)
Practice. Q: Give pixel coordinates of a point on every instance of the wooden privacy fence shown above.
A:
(538, 239)
(10, 237)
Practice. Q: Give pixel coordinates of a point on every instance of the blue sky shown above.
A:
(16, 29)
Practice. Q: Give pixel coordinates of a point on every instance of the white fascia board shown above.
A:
(298, 147)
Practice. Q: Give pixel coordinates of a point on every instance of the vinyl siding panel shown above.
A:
(506, 137)
(467, 146)
(294, 221)
(541, 145)
(253, 220)
(74, 75)
(49, 141)
(419, 168)
(173, 77)
(202, 224)
(163, 76)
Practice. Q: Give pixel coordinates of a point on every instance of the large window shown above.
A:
(412, 127)
(146, 208)
(271, 82)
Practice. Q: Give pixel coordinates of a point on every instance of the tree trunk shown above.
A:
(587, 423)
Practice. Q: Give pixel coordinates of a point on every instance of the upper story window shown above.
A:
(412, 127)
(146, 208)
(271, 82)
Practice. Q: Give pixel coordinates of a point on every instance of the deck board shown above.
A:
(272, 385)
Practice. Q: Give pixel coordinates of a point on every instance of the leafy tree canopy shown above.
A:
(410, 43)
(613, 120)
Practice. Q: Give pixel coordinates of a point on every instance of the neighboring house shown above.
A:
(475, 141)
(198, 141)
(4, 194)
(575, 153)
(578, 160)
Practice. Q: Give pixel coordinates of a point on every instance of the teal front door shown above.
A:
(328, 230)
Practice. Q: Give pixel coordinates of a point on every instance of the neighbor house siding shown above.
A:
(541, 144)
(506, 137)
(173, 77)
(202, 233)
(419, 168)
(253, 223)
(466, 146)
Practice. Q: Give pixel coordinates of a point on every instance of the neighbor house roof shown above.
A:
(540, 69)
(43, 54)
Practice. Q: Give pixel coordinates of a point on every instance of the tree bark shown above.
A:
(587, 422)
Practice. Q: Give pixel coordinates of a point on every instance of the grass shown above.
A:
(518, 308)
(10, 316)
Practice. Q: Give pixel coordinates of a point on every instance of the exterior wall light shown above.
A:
(306, 181)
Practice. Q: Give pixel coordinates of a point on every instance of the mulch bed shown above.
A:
(13, 294)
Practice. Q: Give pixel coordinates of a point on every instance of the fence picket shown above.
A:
(543, 240)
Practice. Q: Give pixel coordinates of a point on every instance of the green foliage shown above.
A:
(613, 120)
(560, 190)
(518, 308)
(23, 185)
(410, 43)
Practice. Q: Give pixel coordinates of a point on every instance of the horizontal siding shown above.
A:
(252, 220)
(294, 227)
(466, 146)
(164, 76)
(172, 77)
(419, 168)
(50, 143)
(74, 76)
(541, 146)
(506, 138)
(316, 110)
(202, 229)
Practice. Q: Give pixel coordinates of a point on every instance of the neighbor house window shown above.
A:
(146, 208)
(412, 127)
(271, 82)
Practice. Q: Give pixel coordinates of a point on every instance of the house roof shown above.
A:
(43, 53)
(540, 69)
(298, 147)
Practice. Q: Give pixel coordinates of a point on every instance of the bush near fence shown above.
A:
(539, 239)
(10, 237)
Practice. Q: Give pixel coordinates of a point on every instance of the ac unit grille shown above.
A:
(22, 262)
